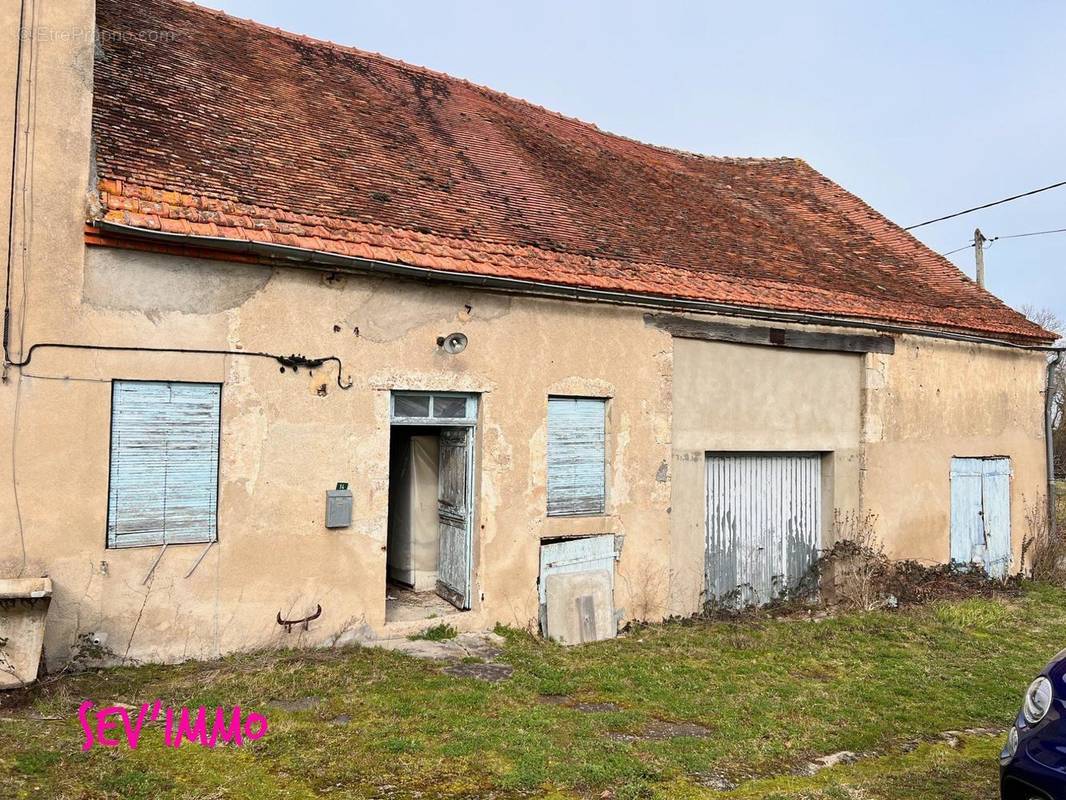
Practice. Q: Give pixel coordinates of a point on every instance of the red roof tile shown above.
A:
(223, 127)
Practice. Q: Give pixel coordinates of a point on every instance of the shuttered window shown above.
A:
(164, 463)
(576, 456)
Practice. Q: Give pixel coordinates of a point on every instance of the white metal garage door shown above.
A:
(763, 524)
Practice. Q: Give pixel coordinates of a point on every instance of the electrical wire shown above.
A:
(986, 205)
(1033, 233)
(29, 160)
(10, 264)
(957, 249)
(293, 362)
(989, 242)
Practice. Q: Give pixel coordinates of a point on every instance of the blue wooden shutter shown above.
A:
(576, 456)
(164, 463)
(587, 554)
(980, 513)
(967, 512)
(995, 492)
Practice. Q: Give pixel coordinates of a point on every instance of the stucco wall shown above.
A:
(732, 397)
(936, 399)
(286, 438)
(889, 424)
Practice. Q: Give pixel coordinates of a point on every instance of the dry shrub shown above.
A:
(646, 592)
(912, 582)
(1044, 546)
(851, 573)
(855, 573)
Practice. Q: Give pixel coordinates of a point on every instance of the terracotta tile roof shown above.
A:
(226, 128)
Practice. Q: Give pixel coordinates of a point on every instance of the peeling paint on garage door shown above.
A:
(763, 524)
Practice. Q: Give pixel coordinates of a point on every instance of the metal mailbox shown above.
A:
(338, 508)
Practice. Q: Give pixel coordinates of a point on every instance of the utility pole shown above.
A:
(979, 253)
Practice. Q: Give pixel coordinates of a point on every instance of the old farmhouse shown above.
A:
(305, 345)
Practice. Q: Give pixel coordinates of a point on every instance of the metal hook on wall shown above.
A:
(289, 623)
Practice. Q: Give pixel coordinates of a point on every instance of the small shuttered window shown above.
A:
(576, 456)
(164, 463)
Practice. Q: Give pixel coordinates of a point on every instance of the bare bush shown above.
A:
(1044, 547)
(646, 593)
(856, 574)
(851, 573)
(1049, 320)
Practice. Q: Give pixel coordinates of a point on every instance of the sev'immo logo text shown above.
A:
(203, 726)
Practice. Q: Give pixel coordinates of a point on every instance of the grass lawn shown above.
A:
(767, 696)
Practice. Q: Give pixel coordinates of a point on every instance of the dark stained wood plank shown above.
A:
(688, 328)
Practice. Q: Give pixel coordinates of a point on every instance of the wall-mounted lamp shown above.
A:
(453, 343)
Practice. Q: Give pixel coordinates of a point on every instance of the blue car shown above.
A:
(1032, 765)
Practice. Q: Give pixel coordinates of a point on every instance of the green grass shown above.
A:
(438, 633)
(772, 693)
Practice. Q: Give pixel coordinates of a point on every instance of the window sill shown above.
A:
(583, 525)
(149, 545)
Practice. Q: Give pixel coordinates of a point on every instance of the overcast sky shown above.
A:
(920, 108)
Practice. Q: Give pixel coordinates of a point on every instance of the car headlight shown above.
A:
(1012, 742)
(1037, 700)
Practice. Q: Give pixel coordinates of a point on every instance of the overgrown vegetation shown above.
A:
(855, 574)
(1044, 546)
(761, 700)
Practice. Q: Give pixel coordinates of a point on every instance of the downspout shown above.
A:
(1049, 435)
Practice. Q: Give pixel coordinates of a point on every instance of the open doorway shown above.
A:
(429, 561)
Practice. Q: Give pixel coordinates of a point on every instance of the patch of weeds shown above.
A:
(512, 634)
(634, 790)
(438, 633)
(86, 652)
(968, 772)
(36, 762)
(554, 682)
(472, 660)
(398, 744)
(976, 612)
(135, 784)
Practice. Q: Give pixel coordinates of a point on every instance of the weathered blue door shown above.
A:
(455, 563)
(980, 513)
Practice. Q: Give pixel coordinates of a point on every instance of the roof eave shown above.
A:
(119, 235)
